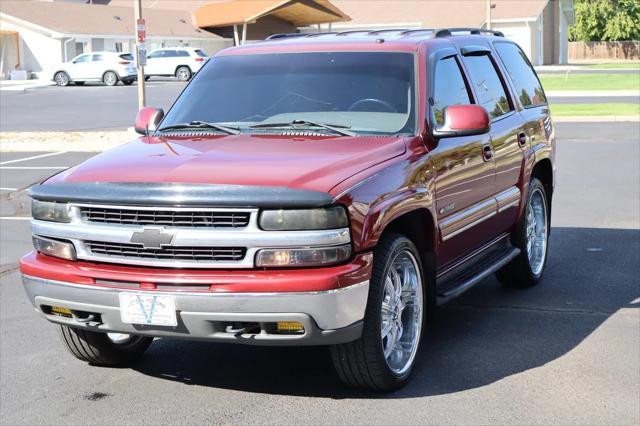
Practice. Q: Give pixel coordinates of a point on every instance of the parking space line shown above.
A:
(32, 158)
(34, 167)
(14, 218)
(4, 188)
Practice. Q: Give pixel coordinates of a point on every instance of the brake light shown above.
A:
(199, 59)
(124, 62)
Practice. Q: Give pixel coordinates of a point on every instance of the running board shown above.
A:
(462, 280)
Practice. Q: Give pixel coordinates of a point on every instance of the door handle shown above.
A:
(522, 139)
(487, 152)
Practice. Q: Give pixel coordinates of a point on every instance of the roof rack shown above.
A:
(430, 32)
(447, 32)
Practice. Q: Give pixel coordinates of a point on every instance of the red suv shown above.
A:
(312, 189)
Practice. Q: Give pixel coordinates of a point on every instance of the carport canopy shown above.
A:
(241, 12)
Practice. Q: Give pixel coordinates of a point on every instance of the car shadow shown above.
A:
(489, 333)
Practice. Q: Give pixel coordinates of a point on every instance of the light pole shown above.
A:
(141, 51)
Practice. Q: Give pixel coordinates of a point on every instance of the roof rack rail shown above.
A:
(447, 32)
(287, 35)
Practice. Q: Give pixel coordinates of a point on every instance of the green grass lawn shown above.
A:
(615, 65)
(575, 81)
(595, 109)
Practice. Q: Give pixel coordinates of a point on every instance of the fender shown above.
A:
(393, 206)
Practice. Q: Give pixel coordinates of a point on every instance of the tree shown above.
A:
(606, 20)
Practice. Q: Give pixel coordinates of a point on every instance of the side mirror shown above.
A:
(148, 119)
(463, 120)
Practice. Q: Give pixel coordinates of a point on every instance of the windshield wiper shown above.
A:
(336, 128)
(196, 124)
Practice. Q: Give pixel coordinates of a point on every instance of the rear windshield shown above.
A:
(127, 56)
(367, 92)
(200, 53)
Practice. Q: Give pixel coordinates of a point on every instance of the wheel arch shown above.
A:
(175, 72)
(53, 76)
(543, 171)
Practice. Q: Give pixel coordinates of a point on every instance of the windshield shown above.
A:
(366, 92)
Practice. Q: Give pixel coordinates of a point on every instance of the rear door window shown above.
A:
(170, 54)
(449, 88)
(182, 53)
(528, 87)
(492, 94)
(97, 58)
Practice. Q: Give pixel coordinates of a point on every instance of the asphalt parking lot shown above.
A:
(564, 352)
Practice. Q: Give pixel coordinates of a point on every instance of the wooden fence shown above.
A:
(604, 50)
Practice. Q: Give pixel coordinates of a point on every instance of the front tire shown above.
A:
(382, 359)
(531, 236)
(110, 78)
(183, 73)
(61, 78)
(101, 349)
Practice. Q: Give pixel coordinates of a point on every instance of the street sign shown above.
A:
(141, 30)
(142, 55)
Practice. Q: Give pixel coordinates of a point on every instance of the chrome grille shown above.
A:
(181, 253)
(185, 218)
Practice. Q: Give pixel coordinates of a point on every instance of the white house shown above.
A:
(37, 35)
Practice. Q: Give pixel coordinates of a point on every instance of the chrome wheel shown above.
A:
(61, 79)
(183, 73)
(536, 229)
(401, 323)
(110, 79)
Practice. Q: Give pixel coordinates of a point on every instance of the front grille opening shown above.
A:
(185, 253)
(183, 218)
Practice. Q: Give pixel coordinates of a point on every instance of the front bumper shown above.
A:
(329, 317)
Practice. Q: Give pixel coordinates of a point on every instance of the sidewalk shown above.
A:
(21, 85)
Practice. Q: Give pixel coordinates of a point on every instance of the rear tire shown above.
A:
(382, 359)
(100, 349)
(183, 73)
(110, 78)
(531, 236)
(61, 78)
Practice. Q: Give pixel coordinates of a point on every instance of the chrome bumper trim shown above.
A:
(323, 310)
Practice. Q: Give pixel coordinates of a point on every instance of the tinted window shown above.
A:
(449, 88)
(170, 54)
(200, 53)
(97, 58)
(182, 53)
(521, 72)
(157, 54)
(484, 77)
(80, 59)
(371, 92)
(127, 56)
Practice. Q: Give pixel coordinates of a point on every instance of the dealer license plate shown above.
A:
(148, 309)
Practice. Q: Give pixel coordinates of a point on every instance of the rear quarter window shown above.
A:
(528, 87)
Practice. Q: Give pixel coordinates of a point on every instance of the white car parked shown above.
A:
(181, 62)
(107, 67)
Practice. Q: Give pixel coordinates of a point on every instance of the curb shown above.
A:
(597, 118)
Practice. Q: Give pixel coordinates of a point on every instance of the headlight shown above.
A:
(55, 248)
(51, 212)
(304, 220)
(320, 256)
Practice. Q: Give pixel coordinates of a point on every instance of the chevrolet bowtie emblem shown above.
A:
(152, 238)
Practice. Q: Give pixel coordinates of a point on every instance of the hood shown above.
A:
(312, 162)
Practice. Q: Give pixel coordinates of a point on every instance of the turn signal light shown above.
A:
(58, 310)
(289, 327)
